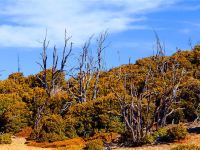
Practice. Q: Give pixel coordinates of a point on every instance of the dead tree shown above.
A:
(171, 72)
(18, 64)
(169, 96)
(136, 104)
(100, 48)
(88, 69)
(133, 108)
(85, 73)
(56, 72)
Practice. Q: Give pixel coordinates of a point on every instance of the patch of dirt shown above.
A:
(18, 143)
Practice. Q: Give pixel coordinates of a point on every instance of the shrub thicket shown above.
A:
(177, 132)
(167, 134)
(52, 129)
(21, 97)
(5, 138)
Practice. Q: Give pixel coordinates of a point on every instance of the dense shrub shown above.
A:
(167, 134)
(20, 98)
(5, 138)
(177, 132)
(149, 139)
(186, 147)
(51, 137)
(95, 145)
(52, 129)
(157, 136)
(70, 131)
(13, 113)
(161, 135)
(94, 116)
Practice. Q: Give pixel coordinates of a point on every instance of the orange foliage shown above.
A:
(65, 143)
(107, 137)
(25, 132)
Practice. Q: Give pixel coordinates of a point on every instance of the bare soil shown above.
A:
(18, 143)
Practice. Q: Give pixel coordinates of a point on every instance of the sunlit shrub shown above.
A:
(5, 138)
(106, 137)
(161, 135)
(13, 113)
(52, 129)
(177, 132)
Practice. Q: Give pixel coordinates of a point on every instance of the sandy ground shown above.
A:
(18, 144)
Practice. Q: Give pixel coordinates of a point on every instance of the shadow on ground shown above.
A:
(194, 130)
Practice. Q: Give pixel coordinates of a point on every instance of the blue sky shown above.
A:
(130, 24)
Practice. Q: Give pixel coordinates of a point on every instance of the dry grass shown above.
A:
(64, 143)
(108, 137)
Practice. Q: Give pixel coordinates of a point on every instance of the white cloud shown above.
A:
(185, 31)
(25, 21)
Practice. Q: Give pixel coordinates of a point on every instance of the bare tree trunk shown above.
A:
(88, 69)
(100, 48)
(50, 88)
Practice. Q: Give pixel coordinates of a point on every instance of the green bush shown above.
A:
(168, 134)
(52, 129)
(177, 132)
(96, 144)
(5, 138)
(70, 131)
(149, 139)
(94, 116)
(50, 137)
(13, 113)
(161, 135)
(186, 147)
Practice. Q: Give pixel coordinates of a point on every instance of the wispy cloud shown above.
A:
(190, 26)
(23, 23)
